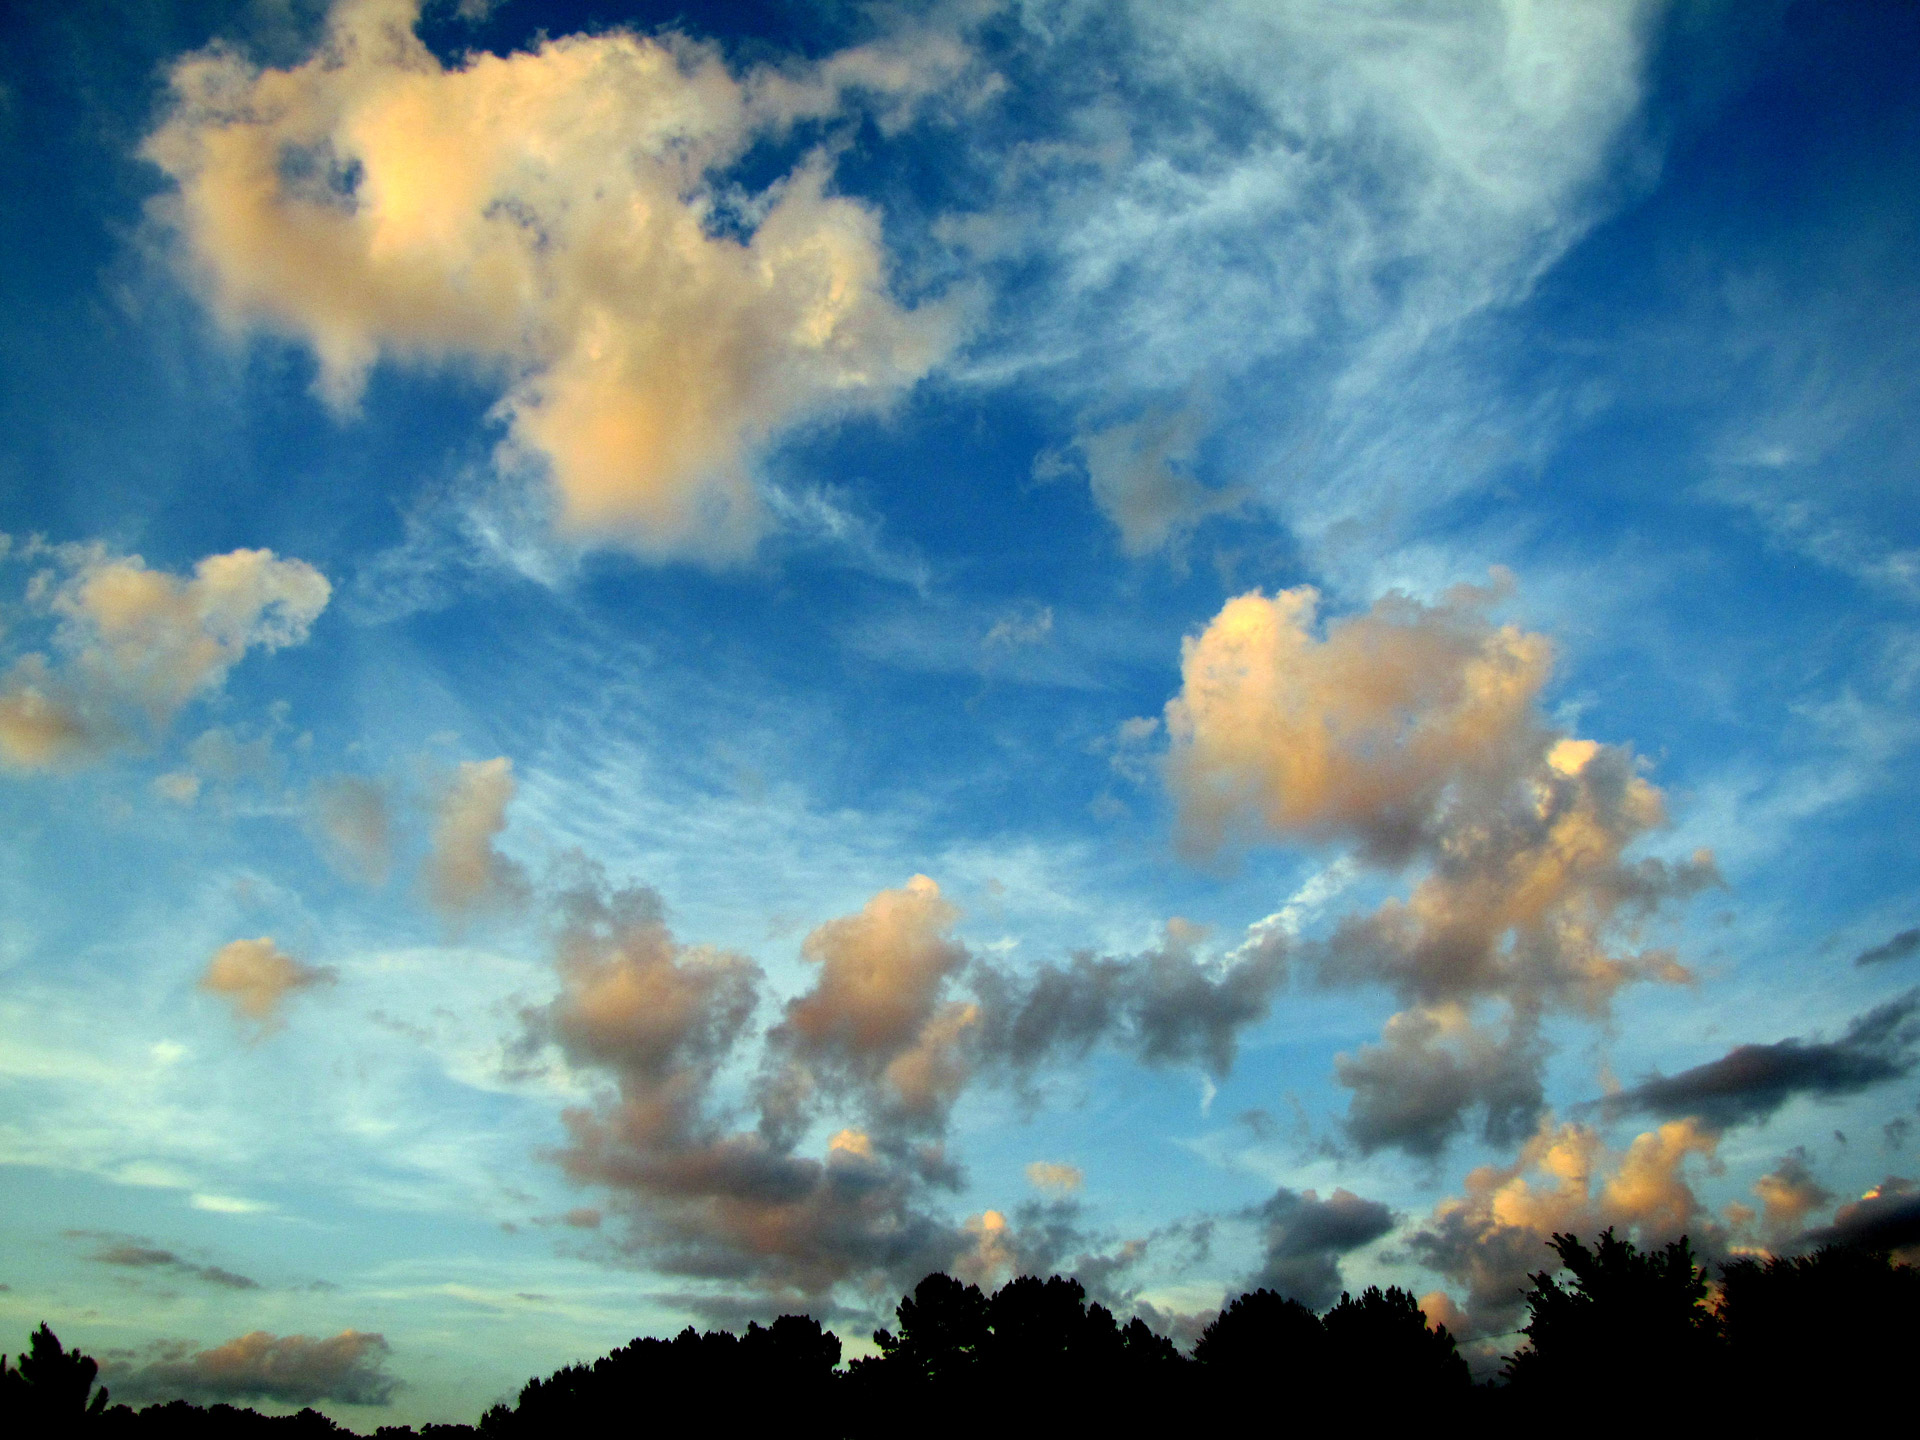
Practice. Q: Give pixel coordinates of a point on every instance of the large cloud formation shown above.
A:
(1413, 733)
(712, 1197)
(558, 218)
(134, 645)
(289, 1369)
(1493, 1236)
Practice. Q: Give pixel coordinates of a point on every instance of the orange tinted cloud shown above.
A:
(135, 645)
(549, 219)
(464, 873)
(1414, 733)
(256, 977)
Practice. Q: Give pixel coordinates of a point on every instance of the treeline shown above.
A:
(1614, 1329)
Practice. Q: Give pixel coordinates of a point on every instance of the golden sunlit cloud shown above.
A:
(549, 219)
(135, 645)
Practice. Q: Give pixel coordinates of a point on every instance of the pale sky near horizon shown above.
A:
(662, 664)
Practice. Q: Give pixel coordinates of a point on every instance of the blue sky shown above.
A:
(538, 523)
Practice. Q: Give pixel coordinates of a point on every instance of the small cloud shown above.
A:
(1054, 1177)
(228, 1205)
(255, 976)
(128, 1252)
(464, 872)
(1022, 627)
(1897, 948)
(1141, 475)
(353, 817)
(180, 786)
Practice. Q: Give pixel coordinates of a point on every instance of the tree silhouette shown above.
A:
(1379, 1346)
(48, 1389)
(1262, 1336)
(1628, 1316)
(1838, 1320)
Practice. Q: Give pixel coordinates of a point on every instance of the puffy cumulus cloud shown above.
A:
(1750, 1082)
(706, 1194)
(1053, 1175)
(134, 645)
(1413, 733)
(289, 1369)
(255, 977)
(1788, 1194)
(877, 1022)
(1564, 1179)
(1170, 1004)
(1432, 1067)
(1887, 1217)
(464, 873)
(1304, 1237)
(353, 818)
(558, 218)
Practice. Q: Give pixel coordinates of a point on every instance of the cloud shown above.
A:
(1492, 1237)
(1887, 1217)
(1434, 1065)
(1051, 1175)
(661, 1021)
(136, 645)
(1021, 627)
(1140, 473)
(559, 220)
(464, 873)
(1788, 1194)
(1167, 1005)
(287, 1369)
(876, 1021)
(1751, 1082)
(256, 977)
(1305, 1236)
(1413, 733)
(354, 819)
(130, 1253)
(1899, 947)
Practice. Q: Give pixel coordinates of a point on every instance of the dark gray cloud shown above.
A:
(128, 1252)
(1750, 1082)
(1897, 948)
(1415, 1090)
(1886, 1218)
(292, 1369)
(1167, 1005)
(1305, 1237)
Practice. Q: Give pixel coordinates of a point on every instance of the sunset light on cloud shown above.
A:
(670, 665)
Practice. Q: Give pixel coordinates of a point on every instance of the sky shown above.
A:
(663, 664)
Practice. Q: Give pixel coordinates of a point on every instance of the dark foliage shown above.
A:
(1627, 1317)
(1838, 1321)
(48, 1388)
(1613, 1330)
